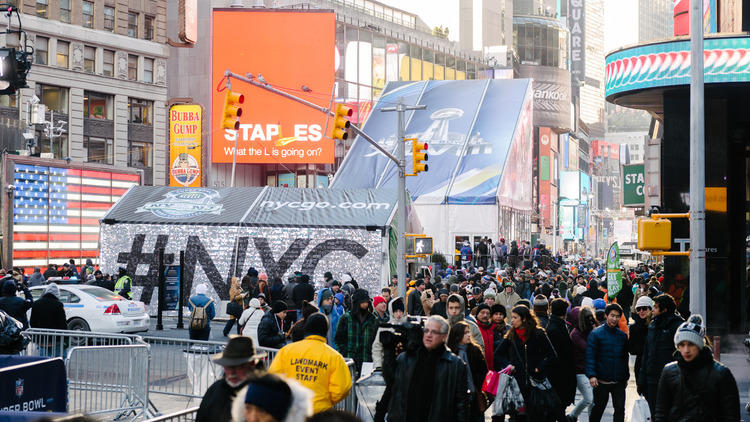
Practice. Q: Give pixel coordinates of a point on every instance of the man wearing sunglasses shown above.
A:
(430, 382)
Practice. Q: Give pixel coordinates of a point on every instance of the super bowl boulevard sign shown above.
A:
(633, 182)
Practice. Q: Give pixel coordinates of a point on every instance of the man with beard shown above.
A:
(240, 362)
(356, 331)
(455, 311)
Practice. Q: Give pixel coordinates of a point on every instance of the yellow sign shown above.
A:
(716, 199)
(185, 145)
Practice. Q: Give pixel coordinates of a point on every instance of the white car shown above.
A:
(93, 308)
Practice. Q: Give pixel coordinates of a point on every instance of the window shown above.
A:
(41, 47)
(132, 25)
(148, 28)
(140, 111)
(88, 13)
(89, 59)
(97, 106)
(148, 70)
(99, 150)
(63, 53)
(65, 11)
(109, 18)
(108, 63)
(54, 97)
(132, 67)
(139, 154)
(42, 8)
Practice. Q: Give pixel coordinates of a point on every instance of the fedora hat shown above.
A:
(239, 350)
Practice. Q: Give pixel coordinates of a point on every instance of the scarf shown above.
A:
(521, 332)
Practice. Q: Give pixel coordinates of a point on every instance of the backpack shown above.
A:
(12, 340)
(198, 317)
(527, 254)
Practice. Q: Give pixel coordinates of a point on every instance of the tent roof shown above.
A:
(255, 206)
(477, 131)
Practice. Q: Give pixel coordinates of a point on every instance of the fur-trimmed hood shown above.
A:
(301, 408)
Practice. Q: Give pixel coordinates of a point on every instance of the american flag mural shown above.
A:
(56, 212)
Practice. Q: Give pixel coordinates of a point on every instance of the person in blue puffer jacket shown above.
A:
(607, 365)
(331, 311)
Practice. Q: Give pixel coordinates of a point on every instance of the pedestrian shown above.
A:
(315, 365)
(638, 331)
(487, 329)
(250, 320)
(529, 353)
(584, 324)
(541, 310)
(456, 313)
(607, 365)
(462, 345)
(380, 309)
(235, 306)
(271, 332)
(397, 317)
(513, 255)
(659, 348)
(248, 283)
(50, 271)
(465, 254)
(303, 291)
(13, 305)
(297, 332)
(431, 382)
(202, 311)
(291, 314)
(508, 297)
(36, 278)
(387, 346)
(48, 311)
(240, 362)
(386, 293)
(439, 307)
(270, 398)
(499, 314)
(325, 304)
(562, 374)
(124, 283)
(696, 388)
(262, 287)
(356, 331)
(414, 299)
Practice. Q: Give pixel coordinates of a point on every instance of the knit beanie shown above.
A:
(587, 301)
(278, 306)
(359, 296)
(325, 294)
(489, 293)
(443, 292)
(270, 393)
(692, 330)
(483, 306)
(644, 301)
(540, 300)
(599, 304)
(263, 276)
(398, 305)
(454, 288)
(498, 308)
(316, 324)
(377, 300)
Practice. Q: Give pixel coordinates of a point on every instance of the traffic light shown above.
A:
(418, 157)
(232, 110)
(341, 122)
(654, 234)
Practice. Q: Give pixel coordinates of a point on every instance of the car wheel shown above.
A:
(77, 324)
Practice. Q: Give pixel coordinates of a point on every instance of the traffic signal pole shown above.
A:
(697, 164)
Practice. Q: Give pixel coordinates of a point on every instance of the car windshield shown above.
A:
(99, 293)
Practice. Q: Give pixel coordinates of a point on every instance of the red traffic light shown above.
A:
(425, 146)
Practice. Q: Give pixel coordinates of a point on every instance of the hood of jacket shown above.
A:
(460, 317)
(300, 410)
(394, 320)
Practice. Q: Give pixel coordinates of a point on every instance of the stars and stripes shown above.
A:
(56, 212)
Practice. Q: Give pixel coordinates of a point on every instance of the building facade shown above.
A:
(485, 23)
(99, 67)
(655, 20)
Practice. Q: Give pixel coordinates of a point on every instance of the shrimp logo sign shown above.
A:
(185, 203)
(185, 145)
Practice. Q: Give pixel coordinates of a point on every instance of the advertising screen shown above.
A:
(289, 49)
(569, 187)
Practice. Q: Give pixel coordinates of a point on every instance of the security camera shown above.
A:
(10, 188)
(68, 160)
(34, 100)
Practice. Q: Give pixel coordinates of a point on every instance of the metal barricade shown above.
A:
(109, 380)
(349, 404)
(186, 415)
(55, 343)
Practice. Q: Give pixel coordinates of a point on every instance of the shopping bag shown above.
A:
(641, 411)
(490, 382)
(508, 400)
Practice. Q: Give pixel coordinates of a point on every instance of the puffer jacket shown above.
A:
(315, 365)
(607, 354)
(250, 320)
(659, 349)
(702, 390)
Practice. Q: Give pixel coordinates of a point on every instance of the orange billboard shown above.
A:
(289, 49)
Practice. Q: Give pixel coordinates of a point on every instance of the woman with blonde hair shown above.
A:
(234, 307)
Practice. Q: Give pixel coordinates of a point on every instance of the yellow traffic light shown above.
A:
(341, 122)
(418, 157)
(654, 235)
(232, 110)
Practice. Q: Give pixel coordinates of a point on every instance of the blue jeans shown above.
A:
(588, 396)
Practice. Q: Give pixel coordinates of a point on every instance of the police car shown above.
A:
(93, 308)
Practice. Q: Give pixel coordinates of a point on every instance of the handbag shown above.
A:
(542, 395)
(234, 309)
(490, 382)
(641, 411)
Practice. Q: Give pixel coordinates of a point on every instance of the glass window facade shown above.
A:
(108, 63)
(54, 97)
(41, 50)
(89, 59)
(87, 8)
(132, 67)
(97, 106)
(65, 11)
(109, 18)
(98, 150)
(540, 41)
(140, 111)
(139, 154)
(133, 24)
(63, 53)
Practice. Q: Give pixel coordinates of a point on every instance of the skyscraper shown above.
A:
(654, 20)
(484, 23)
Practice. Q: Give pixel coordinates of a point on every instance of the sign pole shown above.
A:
(180, 300)
(697, 164)
(162, 286)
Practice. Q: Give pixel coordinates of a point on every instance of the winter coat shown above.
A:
(702, 390)
(289, 295)
(235, 295)
(625, 296)
(250, 320)
(17, 307)
(579, 340)
(302, 291)
(439, 308)
(217, 402)
(477, 367)
(48, 312)
(607, 354)
(637, 342)
(659, 349)
(317, 366)
(377, 345)
(299, 411)
(414, 303)
(450, 401)
(530, 359)
(475, 333)
(201, 300)
(355, 335)
(333, 319)
(562, 375)
(36, 279)
(507, 300)
(271, 332)
(488, 337)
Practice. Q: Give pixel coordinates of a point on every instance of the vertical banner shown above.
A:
(614, 276)
(185, 145)
(576, 23)
(545, 137)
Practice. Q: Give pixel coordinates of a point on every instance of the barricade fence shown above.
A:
(349, 404)
(186, 415)
(109, 381)
(55, 343)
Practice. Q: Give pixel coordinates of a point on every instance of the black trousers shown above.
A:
(601, 397)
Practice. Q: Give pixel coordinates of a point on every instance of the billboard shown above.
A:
(288, 49)
(633, 179)
(545, 168)
(551, 95)
(569, 187)
(576, 22)
(185, 145)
